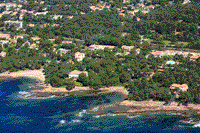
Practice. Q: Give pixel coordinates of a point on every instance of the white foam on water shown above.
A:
(97, 116)
(81, 113)
(131, 116)
(62, 122)
(75, 121)
(23, 92)
(196, 125)
(95, 108)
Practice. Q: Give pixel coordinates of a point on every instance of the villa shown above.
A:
(127, 48)
(100, 47)
(79, 56)
(183, 87)
(5, 36)
(74, 74)
(194, 57)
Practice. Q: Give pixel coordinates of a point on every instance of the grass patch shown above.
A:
(78, 84)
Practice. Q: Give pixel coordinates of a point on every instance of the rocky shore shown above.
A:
(126, 106)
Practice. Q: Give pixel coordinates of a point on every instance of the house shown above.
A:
(19, 36)
(66, 42)
(131, 12)
(55, 17)
(183, 87)
(13, 40)
(127, 48)
(31, 25)
(52, 40)
(136, 10)
(41, 13)
(21, 17)
(44, 54)
(194, 57)
(13, 14)
(3, 54)
(7, 12)
(144, 11)
(79, 56)
(75, 74)
(151, 7)
(53, 25)
(186, 1)
(70, 17)
(126, 1)
(28, 43)
(140, 5)
(70, 62)
(18, 24)
(100, 47)
(137, 50)
(5, 36)
(160, 70)
(33, 46)
(35, 38)
(138, 19)
(121, 14)
(62, 51)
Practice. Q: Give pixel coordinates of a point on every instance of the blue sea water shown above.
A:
(46, 115)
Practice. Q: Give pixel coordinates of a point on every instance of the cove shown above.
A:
(46, 115)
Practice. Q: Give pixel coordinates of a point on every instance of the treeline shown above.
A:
(106, 27)
(133, 71)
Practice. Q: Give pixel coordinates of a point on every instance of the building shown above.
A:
(19, 36)
(3, 54)
(41, 13)
(100, 47)
(55, 17)
(62, 51)
(35, 38)
(5, 36)
(194, 57)
(66, 42)
(79, 56)
(31, 25)
(183, 87)
(126, 1)
(127, 48)
(75, 74)
(17, 24)
(13, 40)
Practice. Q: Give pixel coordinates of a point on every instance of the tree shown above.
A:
(145, 48)
(95, 83)
(83, 79)
(124, 77)
(69, 84)
(59, 40)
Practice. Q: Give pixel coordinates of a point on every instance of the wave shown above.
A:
(24, 94)
(131, 116)
(62, 122)
(81, 113)
(196, 125)
(95, 109)
(75, 121)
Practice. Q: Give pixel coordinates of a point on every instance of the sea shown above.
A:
(58, 115)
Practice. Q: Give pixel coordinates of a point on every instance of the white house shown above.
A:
(75, 74)
(79, 56)
(18, 24)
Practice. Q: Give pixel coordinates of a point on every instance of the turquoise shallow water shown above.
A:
(45, 115)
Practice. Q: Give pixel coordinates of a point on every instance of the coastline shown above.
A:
(124, 107)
